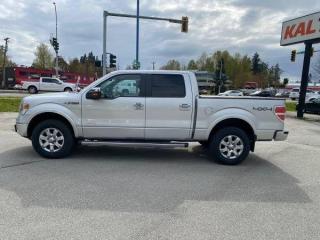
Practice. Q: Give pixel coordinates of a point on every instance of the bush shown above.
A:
(9, 104)
(291, 106)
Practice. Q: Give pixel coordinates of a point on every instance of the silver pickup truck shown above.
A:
(154, 108)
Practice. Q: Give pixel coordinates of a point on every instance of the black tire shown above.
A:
(32, 90)
(68, 143)
(216, 140)
(67, 89)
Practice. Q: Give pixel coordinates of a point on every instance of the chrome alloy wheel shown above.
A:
(231, 147)
(51, 140)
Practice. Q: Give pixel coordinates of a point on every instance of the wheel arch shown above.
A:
(46, 116)
(235, 122)
(67, 87)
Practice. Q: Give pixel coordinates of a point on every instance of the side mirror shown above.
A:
(94, 93)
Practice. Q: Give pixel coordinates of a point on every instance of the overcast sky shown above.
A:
(244, 26)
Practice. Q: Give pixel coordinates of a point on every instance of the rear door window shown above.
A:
(47, 80)
(166, 86)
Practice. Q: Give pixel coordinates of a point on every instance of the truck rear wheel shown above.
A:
(32, 90)
(67, 89)
(52, 139)
(229, 146)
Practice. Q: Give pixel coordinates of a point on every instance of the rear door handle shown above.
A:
(138, 106)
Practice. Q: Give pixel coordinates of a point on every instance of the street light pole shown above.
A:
(137, 35)
(55, 9)
(5, 49)
(104, 41)
(183, 22)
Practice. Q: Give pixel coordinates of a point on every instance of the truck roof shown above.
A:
(153, 71)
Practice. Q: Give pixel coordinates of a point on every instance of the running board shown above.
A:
(137, 144)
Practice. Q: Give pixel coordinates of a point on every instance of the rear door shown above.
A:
(168, 107)
(50, 84)
(45, 84)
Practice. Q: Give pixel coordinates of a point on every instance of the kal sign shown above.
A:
(301, 29)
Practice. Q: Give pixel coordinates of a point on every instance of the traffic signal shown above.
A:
(53, 41)
(54, 44)
(184, 24)
(293, 55)
(56, 48)
(312, 51)
(113, 61)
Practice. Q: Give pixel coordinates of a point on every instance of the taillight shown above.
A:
(280, 112)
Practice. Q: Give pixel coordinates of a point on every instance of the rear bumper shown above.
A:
(21, 129)
(280, 135)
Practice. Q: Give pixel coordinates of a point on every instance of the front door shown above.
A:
(169, 107)
(120, 113)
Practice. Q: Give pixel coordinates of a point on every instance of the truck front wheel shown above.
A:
(229, 146)
(52, 139)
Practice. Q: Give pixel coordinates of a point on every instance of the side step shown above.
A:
(172, 144)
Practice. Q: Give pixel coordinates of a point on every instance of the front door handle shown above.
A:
(184, 107)
(138, 106)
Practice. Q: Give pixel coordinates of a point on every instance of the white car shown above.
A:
(295, 93)
(47, 84)
(163, 109)
(231, 93)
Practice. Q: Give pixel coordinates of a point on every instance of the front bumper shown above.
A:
(280, 135)
(21, 129)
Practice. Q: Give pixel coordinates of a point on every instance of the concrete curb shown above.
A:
(12, 91)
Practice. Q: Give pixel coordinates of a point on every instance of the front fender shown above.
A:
(73, 118)
(229, 113)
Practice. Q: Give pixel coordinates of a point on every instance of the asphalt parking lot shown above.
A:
(125, 193)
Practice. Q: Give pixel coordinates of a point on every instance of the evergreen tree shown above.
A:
(256, 64)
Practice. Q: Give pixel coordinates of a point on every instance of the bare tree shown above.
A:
(172, 65)
(44, 58)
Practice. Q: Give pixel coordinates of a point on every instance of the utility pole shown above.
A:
(137, 35)
(56, 50)
(4, 85)
(304, 79)
(220, 75)
(153, 64)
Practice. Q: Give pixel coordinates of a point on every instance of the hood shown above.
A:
(58, 98)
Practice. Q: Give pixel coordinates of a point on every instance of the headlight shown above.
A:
(24, 107)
